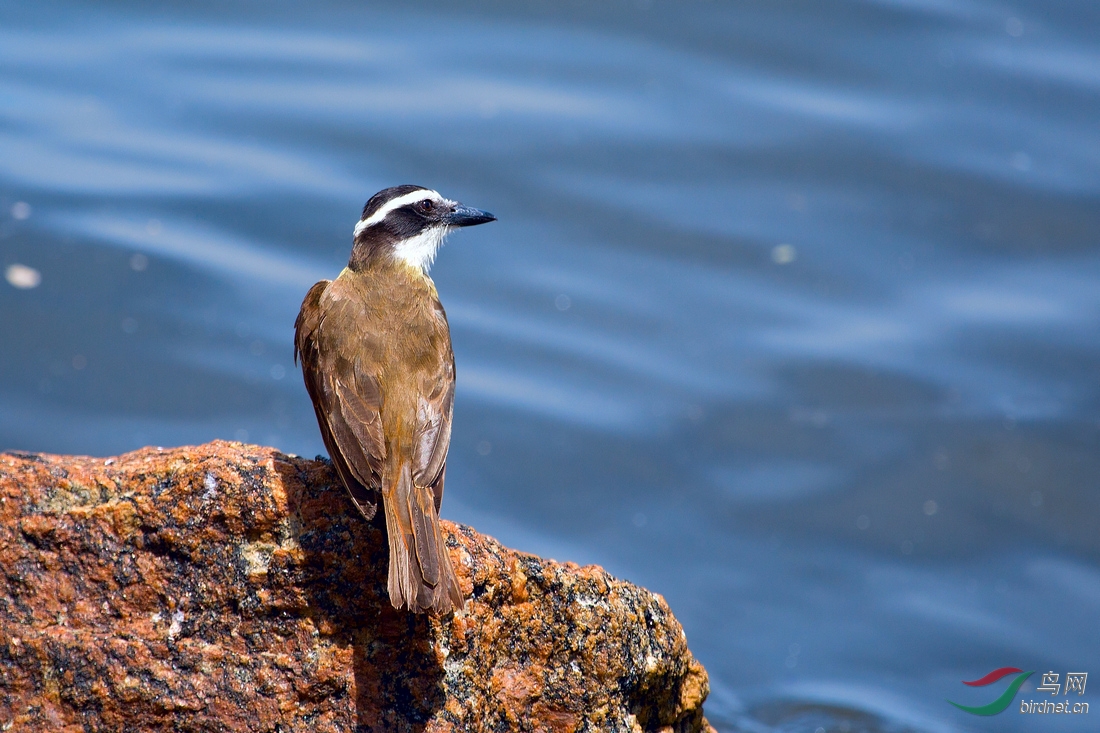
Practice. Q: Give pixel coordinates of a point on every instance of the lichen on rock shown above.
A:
(229, 587)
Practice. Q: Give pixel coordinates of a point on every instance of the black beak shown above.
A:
(465, 216)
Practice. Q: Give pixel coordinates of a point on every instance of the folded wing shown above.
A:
(348, 407)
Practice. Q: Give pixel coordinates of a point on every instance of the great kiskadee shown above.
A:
(378, 365)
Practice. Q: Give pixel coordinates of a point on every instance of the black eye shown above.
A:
(426, 205)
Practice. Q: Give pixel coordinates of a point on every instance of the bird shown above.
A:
(376, 356)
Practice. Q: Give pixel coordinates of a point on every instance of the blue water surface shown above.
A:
(792, 312)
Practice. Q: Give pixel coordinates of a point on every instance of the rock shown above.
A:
(233, 588)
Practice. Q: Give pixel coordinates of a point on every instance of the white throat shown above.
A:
(419, 251)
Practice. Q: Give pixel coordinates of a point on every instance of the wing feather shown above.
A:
(350, 421)
(433, 430)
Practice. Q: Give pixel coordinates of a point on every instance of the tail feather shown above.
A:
(448, 594)
(401, 583)
(424, 522)
(421, 576)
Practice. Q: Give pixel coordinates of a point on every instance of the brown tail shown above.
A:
(421, 576)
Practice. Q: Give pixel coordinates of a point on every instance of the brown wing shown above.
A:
(347, 404)
(433, 429)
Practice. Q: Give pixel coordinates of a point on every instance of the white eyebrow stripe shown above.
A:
(397, 203)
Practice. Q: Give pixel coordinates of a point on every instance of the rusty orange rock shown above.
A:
(232, 588)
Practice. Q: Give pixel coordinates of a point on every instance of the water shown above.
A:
(790, 314)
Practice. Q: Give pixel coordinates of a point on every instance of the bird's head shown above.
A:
(408, 223)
